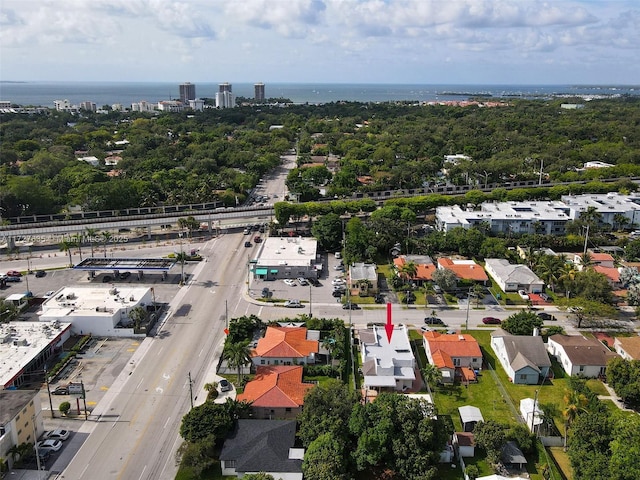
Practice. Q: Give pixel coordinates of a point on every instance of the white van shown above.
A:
(337, 255)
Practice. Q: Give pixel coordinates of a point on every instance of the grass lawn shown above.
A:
(597, 387)
(562, 461)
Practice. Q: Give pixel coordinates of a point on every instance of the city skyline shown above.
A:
(322, 41)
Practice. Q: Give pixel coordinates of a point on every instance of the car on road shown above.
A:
(433, 321)
(247, 231)
(257, 239)
(350, 306)
(293, 304)
(225, 385)
(290, 282)
(14, 273)
(547, 317)
(61, 390)
(40, 273)
(49, 294)
(247, 244)
(491, 321)
(58, 434)
(52, 445)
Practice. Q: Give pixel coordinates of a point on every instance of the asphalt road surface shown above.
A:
(134, 432)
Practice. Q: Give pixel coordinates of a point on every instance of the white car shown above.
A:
(338, 281)
(49, 294)
(58, 434)
(523, 294)
(290, 282)
(52, 445)
(293, 304)
(302, 281)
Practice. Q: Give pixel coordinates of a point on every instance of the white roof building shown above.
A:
(607, 204)
(101, 311)
(387, 366)
(286, 257)
(531, 413)
(25, 346)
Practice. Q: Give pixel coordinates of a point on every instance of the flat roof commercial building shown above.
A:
(286, 257)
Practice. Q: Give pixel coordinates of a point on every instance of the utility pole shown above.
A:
(533, 413)
(586, 239)
(191, 389)
(466, 322)
(310, 302)
(46, 379)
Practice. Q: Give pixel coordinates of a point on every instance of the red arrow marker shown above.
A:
(389, 326)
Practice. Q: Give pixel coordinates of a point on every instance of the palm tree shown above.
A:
(432, 376)
(182, 258)
(567, 276)
(408, 270)
(550, 269)
(77, 241)
(586, 261)
(106, 237)
(67, 246)
(137, 315)
(91, 234)
(237, 356)
(576, 404)
(620, 221)
(329, 343)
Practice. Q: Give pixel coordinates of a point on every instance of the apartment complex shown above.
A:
(259, 92)
(224, 96)
(187, 92)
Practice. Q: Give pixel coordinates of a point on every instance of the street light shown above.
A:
(466, 322)
(310, 302)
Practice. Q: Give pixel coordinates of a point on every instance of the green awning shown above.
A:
(274, 270)
(261, 271)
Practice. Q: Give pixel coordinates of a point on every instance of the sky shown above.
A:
(322, 41)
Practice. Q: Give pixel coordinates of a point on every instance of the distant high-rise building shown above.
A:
(224, 97)
(187, 92)
(259, 92)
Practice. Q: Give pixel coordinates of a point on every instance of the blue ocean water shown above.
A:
(126, 93)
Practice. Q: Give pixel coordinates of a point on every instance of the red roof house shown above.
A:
(285, 346)
(464, 269)
(276, 392)
(454, 354)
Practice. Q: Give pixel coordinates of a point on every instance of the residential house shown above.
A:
(470, 416)
(267, 446)
(598, 259)
(464, 269)
(587, 357)
(612, 274)
(455, 355)
(19, 420)
(276, 392)
(387, 366)
(628, 347)
(465, 444)
(286, 346)
(424, 267)
(512, 278)
(523, 358)
(364, 277)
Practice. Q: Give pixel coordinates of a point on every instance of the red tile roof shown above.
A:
(285, 342)
(464, 271)
(423, 272)
(612, 273)
(276, 387)
(452, 346)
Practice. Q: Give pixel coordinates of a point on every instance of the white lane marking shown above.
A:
(167, 422)
(138, 386)
(142, 474)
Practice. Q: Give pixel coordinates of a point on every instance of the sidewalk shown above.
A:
(614, 398)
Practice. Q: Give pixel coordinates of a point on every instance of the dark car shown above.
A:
(337, 293)
(62, 390)
(106, 279)
(40, 273)
(12, 279)
(125, 275)
(225, 386)
(547, 317)
(491, 321)
(379, 298)
(433, 321)
(247, 244)
(350, 306)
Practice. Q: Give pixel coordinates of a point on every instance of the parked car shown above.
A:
(247, 244)
(314, 282)
(58, 434)
(523, 294)
(52, 445)
(293, 304)
(547, 317)
(338, 281)
(257, 239)
(350, 306)
(247, 231)
(225, 386)
(433, 321)
(49, 294)
(339, 268)
(338, 293)
(61, 390)
(379, 298)
(40, 273)
(290, 282)
(14, 273)
(437, 289)
(302, 281)
(125, 275)
(545, 297)
(9, 278)
(337, 255)
(491, 321)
